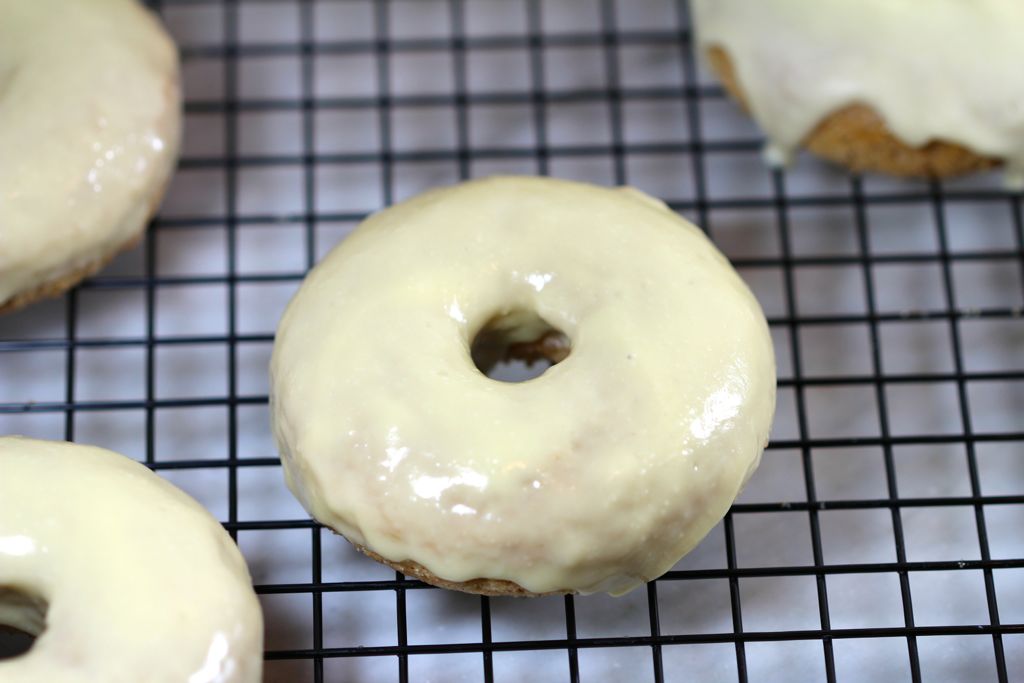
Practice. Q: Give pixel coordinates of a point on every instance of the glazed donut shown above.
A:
(120, 575)
(90, 118)
(877, 85)
(597, 475)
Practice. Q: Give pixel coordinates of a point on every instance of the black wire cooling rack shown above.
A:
(897, 461)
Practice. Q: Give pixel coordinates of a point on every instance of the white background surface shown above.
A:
(190, 318)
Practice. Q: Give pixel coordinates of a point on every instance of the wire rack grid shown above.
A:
(879, 540)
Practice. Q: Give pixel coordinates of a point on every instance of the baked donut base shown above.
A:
(856, 136)
(490, 587)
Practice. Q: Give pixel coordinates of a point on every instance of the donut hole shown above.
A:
(22, 619)
(518, 345)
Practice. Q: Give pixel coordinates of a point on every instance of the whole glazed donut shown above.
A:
(877, 85)
(599, 474)
(121, 576)
(90, 118)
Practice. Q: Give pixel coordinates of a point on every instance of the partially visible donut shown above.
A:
(876, 85)
(599, 474)
(121, 576)
(856, 137)
(90, 119)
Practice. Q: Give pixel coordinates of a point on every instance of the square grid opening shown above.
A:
(880, 532)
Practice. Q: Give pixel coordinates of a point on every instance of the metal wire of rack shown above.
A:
(895, 307)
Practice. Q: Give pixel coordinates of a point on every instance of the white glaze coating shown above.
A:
(142, 583)
(89, 129)
(950, 70)
(597, 475)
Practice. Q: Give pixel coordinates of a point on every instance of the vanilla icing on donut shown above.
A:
(89, 130)
(597, 475)
(945, 70)
(139, 582)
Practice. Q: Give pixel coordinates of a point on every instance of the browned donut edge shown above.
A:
(59, 285)
(856, 137)
(491, 587)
